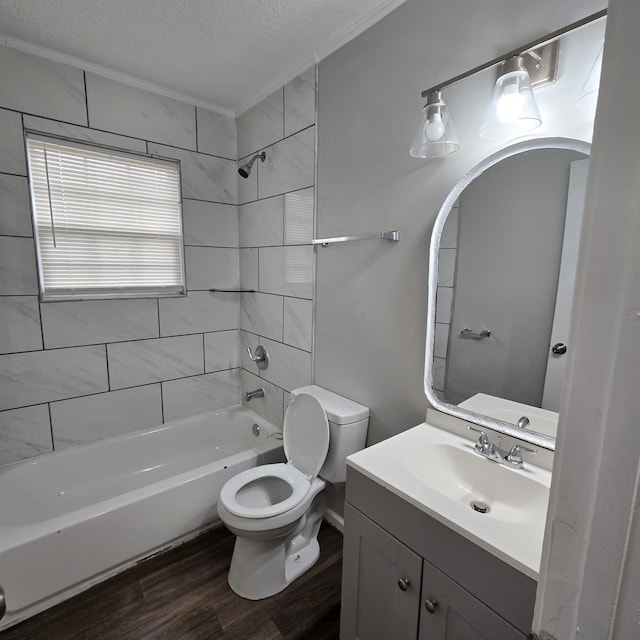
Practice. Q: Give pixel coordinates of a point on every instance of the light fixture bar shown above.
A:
(550, 37)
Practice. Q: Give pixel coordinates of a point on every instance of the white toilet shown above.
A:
(275, 510)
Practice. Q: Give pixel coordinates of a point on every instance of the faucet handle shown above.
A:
(483, 435)
(514, 458)
(520, 447)
(484, 444)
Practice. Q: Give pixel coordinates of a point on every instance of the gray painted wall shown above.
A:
(371, 296)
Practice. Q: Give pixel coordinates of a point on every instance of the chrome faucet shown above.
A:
(511, 458)
(524, 422)
(256, 393)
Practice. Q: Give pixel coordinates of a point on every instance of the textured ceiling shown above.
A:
(227, 53)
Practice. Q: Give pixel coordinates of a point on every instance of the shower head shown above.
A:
(245, 169)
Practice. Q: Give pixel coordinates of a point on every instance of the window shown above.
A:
(107, 223)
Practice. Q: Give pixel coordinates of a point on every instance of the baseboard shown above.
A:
(335, 520)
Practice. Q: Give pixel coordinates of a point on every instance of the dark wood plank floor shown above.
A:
(183, 595)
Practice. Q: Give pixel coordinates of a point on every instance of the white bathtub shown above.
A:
(73, 518)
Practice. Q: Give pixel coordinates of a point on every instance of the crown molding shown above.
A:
(384, 8)
(111, 74)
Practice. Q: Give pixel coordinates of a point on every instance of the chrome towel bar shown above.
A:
(475, 335)
(392, 236)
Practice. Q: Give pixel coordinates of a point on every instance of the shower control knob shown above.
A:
(431, 605)
(261, 357)
(404, 583)
(559, 349)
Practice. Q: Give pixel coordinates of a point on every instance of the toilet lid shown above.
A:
(306, 434)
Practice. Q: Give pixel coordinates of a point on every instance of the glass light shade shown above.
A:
(588, 97)
(435, 136)
(512, 111)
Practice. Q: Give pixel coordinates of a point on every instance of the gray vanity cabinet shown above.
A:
(407, 576)
(449, 612)
(382, 577)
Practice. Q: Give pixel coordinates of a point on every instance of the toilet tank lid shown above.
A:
(339, 409)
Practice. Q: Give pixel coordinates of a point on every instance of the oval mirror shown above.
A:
(501, 270)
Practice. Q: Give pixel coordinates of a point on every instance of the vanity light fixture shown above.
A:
(513, 110)
(588, 97)
(512, 94)
(435, 136)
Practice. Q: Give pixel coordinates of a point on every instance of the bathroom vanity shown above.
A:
(420, 562)
(444, 522)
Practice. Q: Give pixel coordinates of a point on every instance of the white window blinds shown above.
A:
(107, 223)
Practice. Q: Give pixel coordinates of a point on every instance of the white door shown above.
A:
(560, 340)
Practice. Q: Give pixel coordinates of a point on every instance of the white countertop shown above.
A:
(516, 540)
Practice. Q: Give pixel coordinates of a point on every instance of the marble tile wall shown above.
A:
(73, 372)
(276, 225)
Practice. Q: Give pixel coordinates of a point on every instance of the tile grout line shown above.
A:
(273, 144)
(106, 357)
(195, 109)
(86, 97)
(115, 133)
(53, 442)
(162, 403)
(15, 175)
(137, 386)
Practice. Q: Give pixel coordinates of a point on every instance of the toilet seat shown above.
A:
(306, 434)
(298, 482)
(306, 443)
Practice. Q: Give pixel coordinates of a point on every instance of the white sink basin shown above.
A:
(440, 473)
(461, 474)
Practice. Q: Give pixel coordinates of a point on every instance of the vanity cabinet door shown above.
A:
(449, 612)
(380, 583)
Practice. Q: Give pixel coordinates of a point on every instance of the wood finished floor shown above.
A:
(183, 595)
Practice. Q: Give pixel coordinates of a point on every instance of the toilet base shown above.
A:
(261, 568)
(258, 570)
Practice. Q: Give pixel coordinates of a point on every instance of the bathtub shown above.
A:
(73, 518)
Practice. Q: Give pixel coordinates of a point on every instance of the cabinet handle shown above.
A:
(404, 583)
(431, 605)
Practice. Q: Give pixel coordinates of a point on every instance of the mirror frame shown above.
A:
(499, 426)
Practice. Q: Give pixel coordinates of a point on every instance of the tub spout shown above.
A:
(256, 393)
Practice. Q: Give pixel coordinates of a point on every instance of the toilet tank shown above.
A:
(348, 423)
